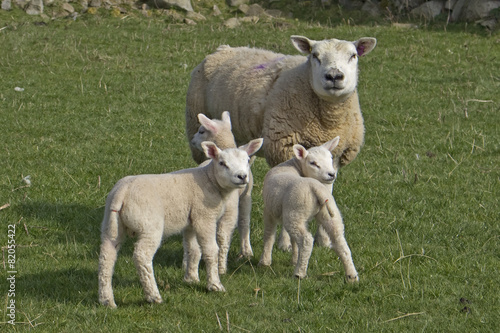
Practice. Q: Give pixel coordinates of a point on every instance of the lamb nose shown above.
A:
(242, 176)
(332, 175)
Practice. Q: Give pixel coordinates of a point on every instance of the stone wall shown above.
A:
(479, 11)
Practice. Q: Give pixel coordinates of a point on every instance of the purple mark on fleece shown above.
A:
(267, 64)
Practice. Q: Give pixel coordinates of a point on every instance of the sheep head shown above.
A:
(232, 165)
(334, 64)
(317, 162)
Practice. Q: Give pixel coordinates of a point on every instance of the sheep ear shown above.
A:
(226, 118)
(365, 45)
(207, 123)
(330, 145)
(300, 152)
(253, 146)
(210, 149)
(301, 43)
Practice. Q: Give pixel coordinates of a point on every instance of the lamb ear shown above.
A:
(207, 123)
(253, 146)
(301, 43)
(210, 149)
(226, 118)
(365, 45)
(330, 145)
(300, 152)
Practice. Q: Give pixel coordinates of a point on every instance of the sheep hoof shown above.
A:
(351, 278)
(300, 275)
(216, 287)
(264, 263)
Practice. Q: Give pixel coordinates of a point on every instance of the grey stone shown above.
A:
(232, 23)
(35, 7)
(6, 5)
(371, 8)
(237, 3)
(429, 10)
(254, 10)
(167, 4)
(478, 9)
(197, 17)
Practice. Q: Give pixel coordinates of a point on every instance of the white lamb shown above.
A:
(284, 99)
(294, 193)
(219, 132)
(153, 207)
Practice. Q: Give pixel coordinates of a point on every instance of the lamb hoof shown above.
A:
(245, 253)
(191, 279)
(109, 303)
(216, 287)
(300, 275)
(264, 263)
(352, 278)
(324, 242)
(286, 247)
(154, 299)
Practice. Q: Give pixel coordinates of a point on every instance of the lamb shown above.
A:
(284, 99)
(294, 193)
(219, 132)
(193, 201)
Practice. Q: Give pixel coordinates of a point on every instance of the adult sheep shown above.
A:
(284, 99)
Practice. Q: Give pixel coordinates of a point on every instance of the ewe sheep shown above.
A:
(152, 207)
(219, 132)
(284, 99)
(294, 193)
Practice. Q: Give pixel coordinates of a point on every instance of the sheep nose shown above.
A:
(332, 175)
(242, 176)
(334, 75)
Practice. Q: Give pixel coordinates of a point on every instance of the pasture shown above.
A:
(104, 97)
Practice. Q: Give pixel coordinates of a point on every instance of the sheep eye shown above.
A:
(315, 55)
(201, 130)
(353, 57)
(223, 164)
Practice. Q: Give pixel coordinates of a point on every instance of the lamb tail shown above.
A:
(325, 198)
(111, 221)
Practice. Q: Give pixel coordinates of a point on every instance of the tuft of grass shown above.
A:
(104, 97)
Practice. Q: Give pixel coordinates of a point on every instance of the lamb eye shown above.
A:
(201, 130)
(353, 57)
(314, 164)
(315, 55)
(223, 164)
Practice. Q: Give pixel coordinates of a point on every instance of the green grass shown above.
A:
(104, 98)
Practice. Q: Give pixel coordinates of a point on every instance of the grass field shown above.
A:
(104, 97)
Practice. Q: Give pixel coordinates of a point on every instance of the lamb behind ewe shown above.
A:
(152, 207)
(219, 132)
(284, 99)
(294, 193)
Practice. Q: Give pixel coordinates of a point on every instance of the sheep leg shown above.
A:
(144, 251)
(302, 242)
(195, 103)
(192, 256)
(210, 254)
(225, 229)
(269, 238)
(335, 228)
(244, 212)
(107, 260)
(284, 243)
